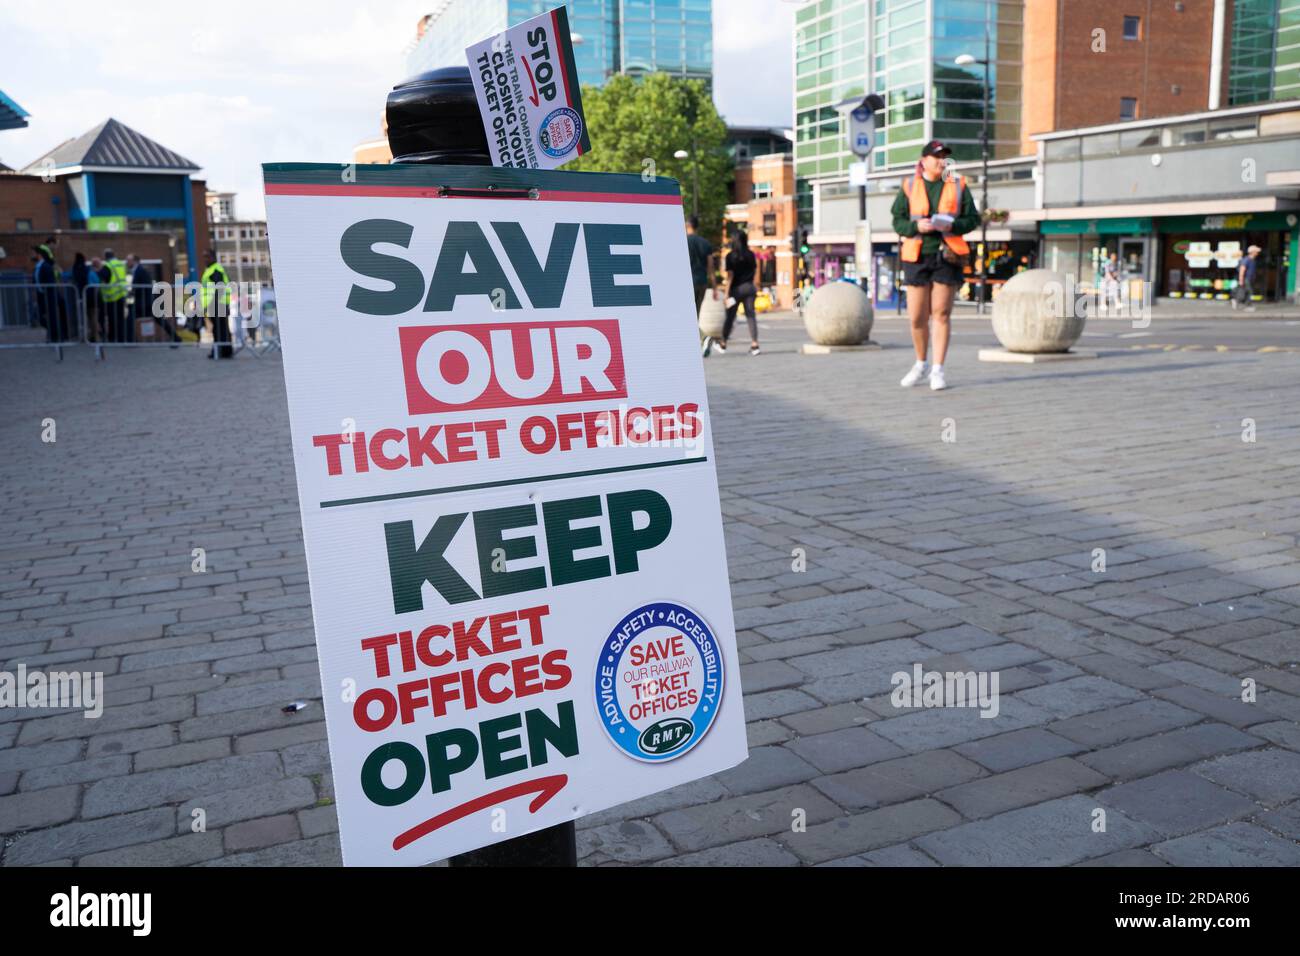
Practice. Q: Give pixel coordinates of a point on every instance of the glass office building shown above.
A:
(904, 50)
(612, 36)
(1264, 63)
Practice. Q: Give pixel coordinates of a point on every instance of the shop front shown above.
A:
(1200, 254)
(1080, 248)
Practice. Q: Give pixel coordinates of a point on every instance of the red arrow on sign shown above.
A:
(529, 70)
(544, 787)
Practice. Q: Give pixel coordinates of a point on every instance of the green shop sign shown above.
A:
(1132, 225)
(1230, 222)
(106, 223)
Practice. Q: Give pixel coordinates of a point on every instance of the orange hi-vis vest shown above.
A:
(919, 207)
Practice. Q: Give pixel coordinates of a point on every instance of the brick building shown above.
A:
(767, 210)
(112, 186)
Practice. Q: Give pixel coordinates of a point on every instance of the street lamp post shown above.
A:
(967, 60)
(695, 176)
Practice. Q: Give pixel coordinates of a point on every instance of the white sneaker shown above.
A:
(919, 371)
(937, 380)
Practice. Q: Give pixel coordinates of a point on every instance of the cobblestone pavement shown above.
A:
(1121, 691)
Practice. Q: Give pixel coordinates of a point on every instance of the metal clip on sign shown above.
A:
(434, 118)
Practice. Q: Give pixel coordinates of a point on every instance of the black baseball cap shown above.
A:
(935, 148)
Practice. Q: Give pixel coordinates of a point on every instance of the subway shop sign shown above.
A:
(509, 501)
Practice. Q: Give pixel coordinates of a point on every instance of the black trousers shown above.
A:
(743, 294)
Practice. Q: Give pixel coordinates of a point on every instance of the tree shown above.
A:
(636, 125)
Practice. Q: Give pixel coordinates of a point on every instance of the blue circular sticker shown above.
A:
(560, 131)
(659, 681)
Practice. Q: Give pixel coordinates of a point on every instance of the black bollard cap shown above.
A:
(434, 118)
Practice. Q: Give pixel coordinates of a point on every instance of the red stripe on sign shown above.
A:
(432, 192)
(544, 787)
(564, 68)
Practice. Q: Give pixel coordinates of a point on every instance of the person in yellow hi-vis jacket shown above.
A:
(112, 292)
(931, 214)
(215, 295)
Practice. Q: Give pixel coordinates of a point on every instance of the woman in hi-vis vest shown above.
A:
(931, 214)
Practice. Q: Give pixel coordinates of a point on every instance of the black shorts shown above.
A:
(930, 269)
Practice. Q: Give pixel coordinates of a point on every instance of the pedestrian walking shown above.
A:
(700, 251)
(215, 295)
(931, 214)
(1247, 269)
(1110, 281)
(740, 267)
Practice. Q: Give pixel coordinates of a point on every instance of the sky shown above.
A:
(262, 82)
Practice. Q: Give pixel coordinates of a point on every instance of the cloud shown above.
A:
(274, 82)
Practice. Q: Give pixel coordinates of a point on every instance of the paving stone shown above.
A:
(80, 771)
(742, 818)
(947, 726)
(870, 830)
(1176, 802)
(321, 851)
(766, 769)
(1081, 695)
(267, 831)
(895, 781)
(1017, 788)
(1225, 709)
(1020, 748)
(178, 851)
(689, 794)
(842, 749)
(760, 852)
(1140, 758)
(1126, 858)
(318, 821)
(1115, 725)
(40, 808)
(92, 836)
(175, 784)
(194, 752)
(1234, 844)
(1270, 775)
(628, 842)
(1054, 833)
(224, 807)
(825, 719)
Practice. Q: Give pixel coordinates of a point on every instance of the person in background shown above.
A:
(215, 293)
(931, 214)
(700, 251)
(1110, 281)
(740, 266)
(112, 292)
(50, 299)
(80, 280)
(1247, 269)
(95, 318)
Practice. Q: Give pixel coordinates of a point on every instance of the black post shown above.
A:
(434, 118)
(984, 178)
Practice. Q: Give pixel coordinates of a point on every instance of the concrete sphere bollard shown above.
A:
(713, 313)
(1036, 311)
(839, 313)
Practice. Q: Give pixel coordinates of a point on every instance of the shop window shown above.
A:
(1132, 28)
(1128, 107)
(769, 224)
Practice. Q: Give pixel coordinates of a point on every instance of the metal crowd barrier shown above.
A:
(37, 315)
(171, 315)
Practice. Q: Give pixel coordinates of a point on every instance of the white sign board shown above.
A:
(1198, 255)
(857, 174)
(509, 501)
(1227, 255)
(526, 82)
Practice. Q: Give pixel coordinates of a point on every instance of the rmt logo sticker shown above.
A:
(457, 367)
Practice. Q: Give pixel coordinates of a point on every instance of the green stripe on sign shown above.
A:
(466, 177)
(478, 486)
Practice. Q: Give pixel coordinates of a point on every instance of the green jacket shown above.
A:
(967, 219)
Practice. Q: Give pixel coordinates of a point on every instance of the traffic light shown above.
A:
(804, 248)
